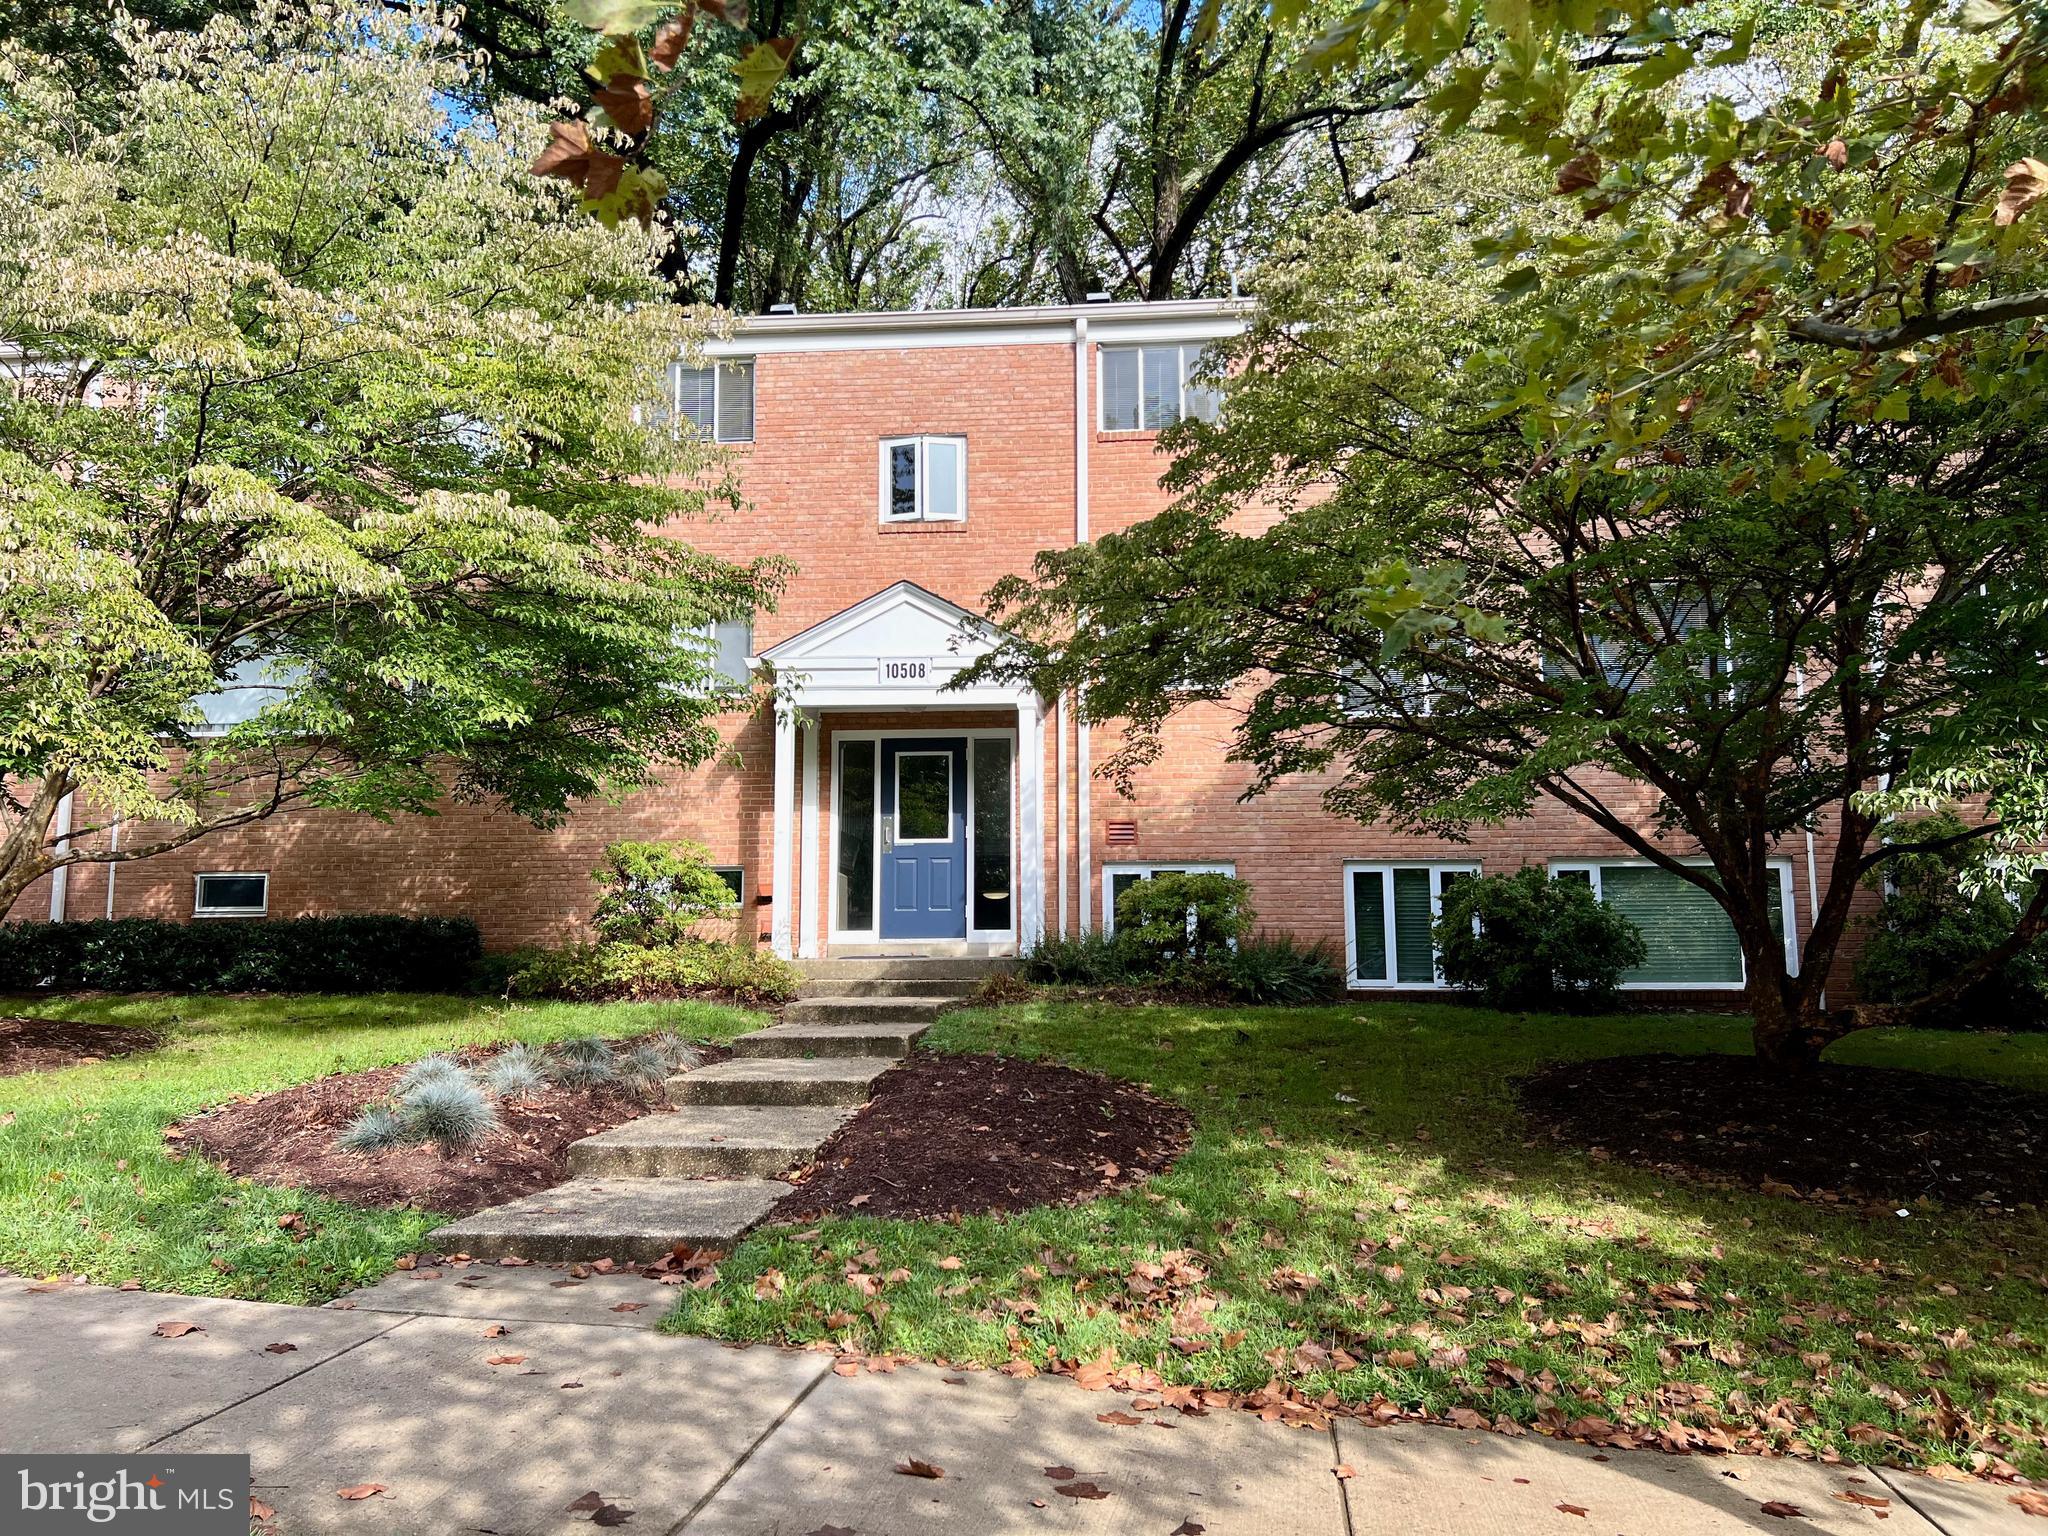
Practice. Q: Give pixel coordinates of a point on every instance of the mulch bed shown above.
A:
(1873, 1132)
(44, 1045)
(961, 1134)
(287, 1138)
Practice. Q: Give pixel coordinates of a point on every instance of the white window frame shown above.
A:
(1385, 869)
(1591, 868)
(922, 443)
(262, 909)
(1147, 871)
(1178, 348)
(717, 367)
(735, 869)
(899, 840)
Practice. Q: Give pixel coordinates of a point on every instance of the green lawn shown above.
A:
(1722, 1304)
(86, 1185)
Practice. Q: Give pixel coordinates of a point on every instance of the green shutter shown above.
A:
(1414, 951)
(1690, 939)
(1369, 923)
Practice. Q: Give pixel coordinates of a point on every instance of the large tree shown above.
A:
(313, 392)
(1386, 559)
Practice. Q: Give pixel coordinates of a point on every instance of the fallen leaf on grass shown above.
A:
(177, 1330)
(912, 1467)
(948, 1262)
(1081, 1490)
(1783, 1510)
(360, 1491)
(2031, 1502)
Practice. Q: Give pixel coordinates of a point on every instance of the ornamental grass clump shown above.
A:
(515, 1073)
(644, 1066)
(584, 1062)
(376, 1129)
(450, 1112)
(431, 1069)
(679, 1053)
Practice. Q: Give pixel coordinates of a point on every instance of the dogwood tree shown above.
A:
(313, 394)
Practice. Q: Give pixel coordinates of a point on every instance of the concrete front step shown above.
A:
(863, 1010)
(802, 1041)
(953, 987)
(727, 1142)
(612, 1218)
(904, 967)
(780, 1080)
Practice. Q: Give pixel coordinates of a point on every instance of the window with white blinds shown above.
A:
(1390, 913)
(716, 400)
(1146, 388)
(1118, 878)
(1690, 940)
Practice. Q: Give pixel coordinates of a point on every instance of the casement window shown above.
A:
(1390, 912)
(1690, 939)
(924, 479)
(726, 645)
(1146, 388)
(1118, 878)
(717, 400)
(230, 894)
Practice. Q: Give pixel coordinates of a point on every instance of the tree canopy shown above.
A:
(315, 395)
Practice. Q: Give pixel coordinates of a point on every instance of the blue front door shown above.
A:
(924, 838)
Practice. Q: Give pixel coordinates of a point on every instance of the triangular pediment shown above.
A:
(902, 641)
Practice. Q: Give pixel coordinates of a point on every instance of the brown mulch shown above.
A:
(1874, 1132)
(947, 1134)
(287, 1138)
(44, 1045)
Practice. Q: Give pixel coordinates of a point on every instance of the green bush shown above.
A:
(1178, 918)
(1086, 960)
(1527, 941)
(1279, 969)
(300, 954)
(609, 971)
(1930, 927)
(655, 893)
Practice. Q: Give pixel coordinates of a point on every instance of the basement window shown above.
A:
(230, 894)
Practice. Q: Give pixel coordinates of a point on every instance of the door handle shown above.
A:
(888, 833)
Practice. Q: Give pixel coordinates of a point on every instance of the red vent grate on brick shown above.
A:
(1123, 831)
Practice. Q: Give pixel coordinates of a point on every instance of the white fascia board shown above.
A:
(1169, 320)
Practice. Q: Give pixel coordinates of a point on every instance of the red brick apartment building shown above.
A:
(905, 462)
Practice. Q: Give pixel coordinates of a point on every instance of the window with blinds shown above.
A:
(1118, 878)
(1391, 911)
(717, 400)
(1690, 939)
(1147, 388)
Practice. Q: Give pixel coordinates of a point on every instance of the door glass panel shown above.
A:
(991, 834)
(924, 797)
(855, 873)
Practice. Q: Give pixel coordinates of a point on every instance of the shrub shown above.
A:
(1527, 941)
(514, 1073)
(607, 972)
(1181, 918)
(1943, 912)
(655, 893)
(376, 1129)
(1278, 968)
(451, 1112)
(299, 954)
(1085, 960)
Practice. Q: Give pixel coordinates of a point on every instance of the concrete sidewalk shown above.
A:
(395, 1387)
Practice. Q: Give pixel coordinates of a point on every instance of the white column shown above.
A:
(811, 936)
(783, 861)
(1061, 819)
(60, 881)
(1030, 824)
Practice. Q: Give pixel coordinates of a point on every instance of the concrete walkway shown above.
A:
(394, 1385)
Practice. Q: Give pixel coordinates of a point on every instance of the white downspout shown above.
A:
(1082, 438)
(113, 846)
(1059, 727)
(60, 880)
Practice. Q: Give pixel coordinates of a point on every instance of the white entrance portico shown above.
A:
(931, 830)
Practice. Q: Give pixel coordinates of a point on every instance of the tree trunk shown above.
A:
(24, 853)
(1787, 1038)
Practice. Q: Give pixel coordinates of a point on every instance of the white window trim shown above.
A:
(922, 442)
(835, 934)
(199, 883)
(1591, 869)
(1164, 866)
(741, 871)
(1179, 350)
(1385, 869)
(899, 840)
(718, 366)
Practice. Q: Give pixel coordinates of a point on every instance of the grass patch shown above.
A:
(1374, 1150)
(86, 1185)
